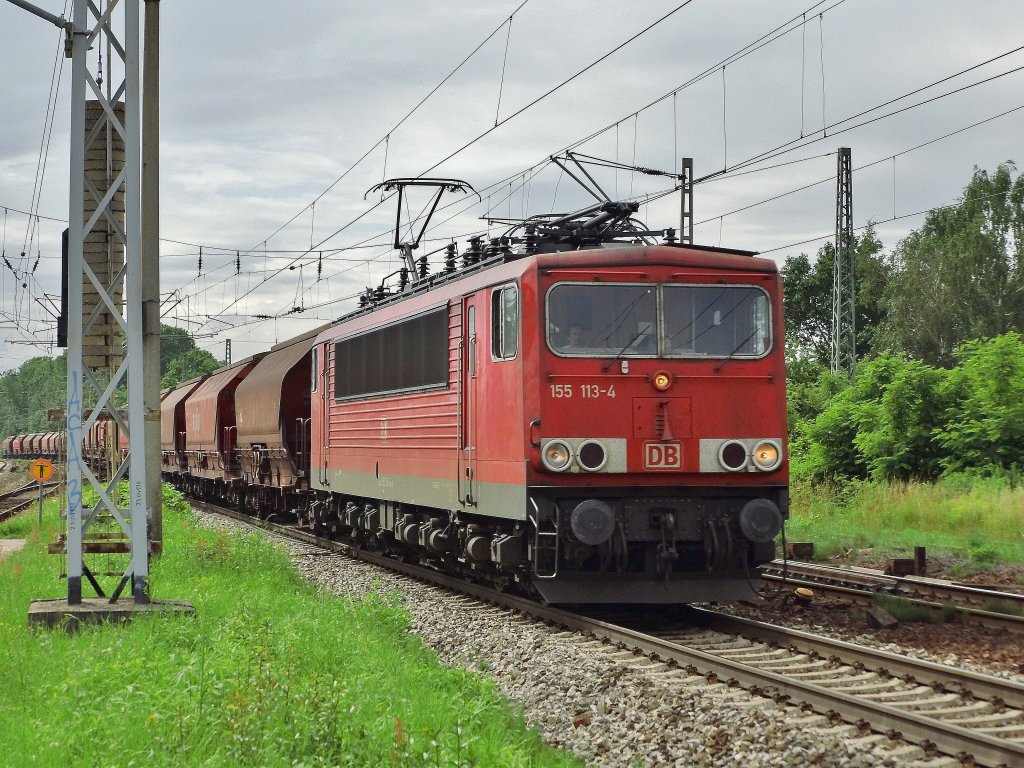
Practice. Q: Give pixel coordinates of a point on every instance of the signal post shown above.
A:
(41, 470)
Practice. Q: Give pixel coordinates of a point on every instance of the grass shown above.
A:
(905, 610)
(269, 672)
(978, 519)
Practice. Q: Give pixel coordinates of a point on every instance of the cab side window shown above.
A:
(505, 322)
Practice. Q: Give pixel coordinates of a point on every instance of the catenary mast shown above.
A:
(96, 364)
(844, 332)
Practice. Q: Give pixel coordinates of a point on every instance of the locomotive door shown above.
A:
(468, 406)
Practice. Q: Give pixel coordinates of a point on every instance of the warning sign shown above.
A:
(41, 470)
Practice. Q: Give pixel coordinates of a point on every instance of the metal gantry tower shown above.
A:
(106, 306)
(686, 202)
(844, 332)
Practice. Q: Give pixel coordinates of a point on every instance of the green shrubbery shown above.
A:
(906, 420)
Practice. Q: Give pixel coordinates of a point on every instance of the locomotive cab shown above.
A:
(658, 451)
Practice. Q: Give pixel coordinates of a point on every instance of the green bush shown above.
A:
(985, 420)
(905, 420)
(895, 436)
(984, 555)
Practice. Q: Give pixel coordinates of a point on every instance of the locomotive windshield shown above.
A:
(647, 320)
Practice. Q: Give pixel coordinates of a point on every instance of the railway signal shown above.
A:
(41, 470)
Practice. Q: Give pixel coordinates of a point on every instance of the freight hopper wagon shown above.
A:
(272, 410)
(598, 425)
(213, 469)
(173, 459)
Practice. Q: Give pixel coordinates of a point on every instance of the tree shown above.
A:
(40, 384)
(181, 359)
(904, 419)
(174, 342)
(881, 426)
(960, 276)
(984, 424)
(195, 362)
(808, 298)
(28, 393)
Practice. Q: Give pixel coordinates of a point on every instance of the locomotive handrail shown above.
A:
(535, 424)
(538, 534)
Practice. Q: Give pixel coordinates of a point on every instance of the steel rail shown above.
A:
(33, 488)
(863, 587)
(945, 737)
(21, 506)
(895, 584)
(982, 686)
(18, 491)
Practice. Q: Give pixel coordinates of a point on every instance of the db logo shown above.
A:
(663, 456)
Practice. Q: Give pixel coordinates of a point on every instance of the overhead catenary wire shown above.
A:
(501, 122)
(905, 150)
(874, 223)
(831, 178)
(733, 173)
(383, 139)
(765, 39)
(730, 175)
(798, 143)
(238, 266)
(718, 178)
(803, 70)
(821, 57)
(47, 134)
(386, 138)
(504, 63)
(557, 87)
(720, 217)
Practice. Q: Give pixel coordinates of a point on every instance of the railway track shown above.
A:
(21, 498)
(974, 718)
(987, 607)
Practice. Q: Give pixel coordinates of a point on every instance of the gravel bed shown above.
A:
(609, 708)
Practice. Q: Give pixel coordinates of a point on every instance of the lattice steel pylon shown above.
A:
(686, 201)
(95, 370)
(844, 331)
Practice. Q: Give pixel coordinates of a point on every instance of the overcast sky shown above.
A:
(264, 106)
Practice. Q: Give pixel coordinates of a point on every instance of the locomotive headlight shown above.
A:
(592, 456)
(556, 455)
(733, 455)
(767, 455)
(662, 380)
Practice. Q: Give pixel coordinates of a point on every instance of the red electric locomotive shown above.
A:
(578, 413)
(587, 421)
